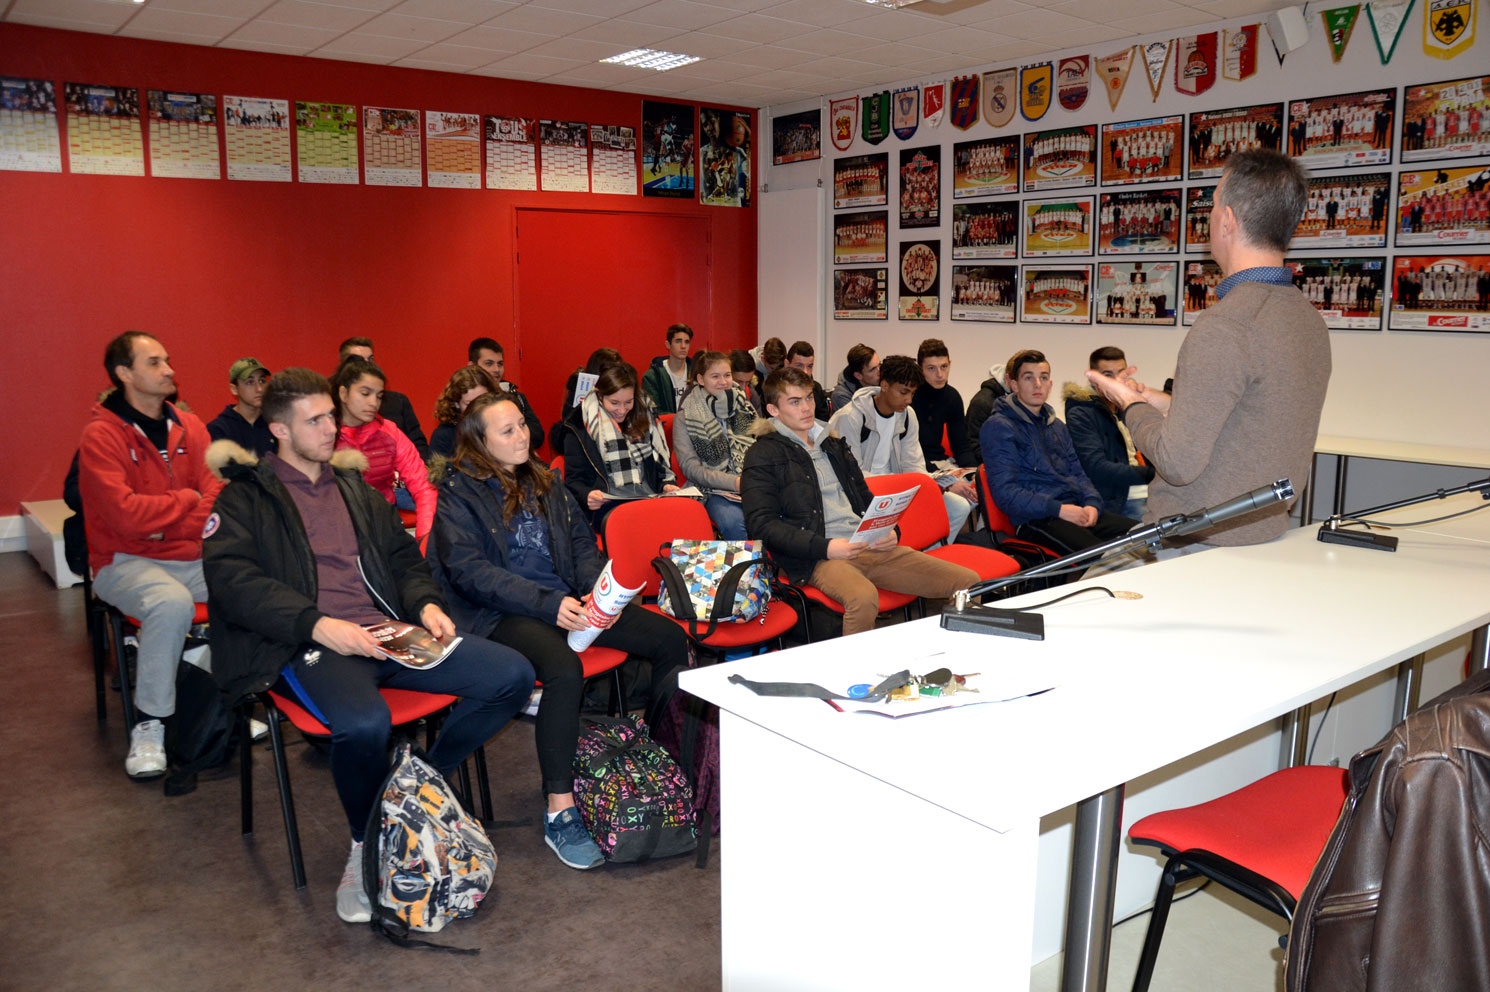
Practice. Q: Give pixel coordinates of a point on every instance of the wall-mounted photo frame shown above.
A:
(985, 292)
(1138, 292)
(1344, 131)
(986, 167)
(1216, 135)
(862, 236)
(1056, 294)
(1443, 207)
(1057, 228)
(860, 294)
(1060, 158)
(861, 181)
(1440, 293)
(1446, 120)
(985, 229)
(1349, 211)
(1348, 292)
(1139, 222)
(1146, 151)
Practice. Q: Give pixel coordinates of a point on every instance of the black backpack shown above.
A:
(202, 734)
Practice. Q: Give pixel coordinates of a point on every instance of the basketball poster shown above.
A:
(183, 135)
(1344, 131)
(1347, 292)
(1137, 293)
(985, 230)
(984, 292)
(797, 137)
(667, 149)
(1147, 151)
(326, 142)
(920, 280)
(452, 150)
(1201, 280)
(103, 130)
(257, 136)
(1061, 158)
(861, 237)
(988, 167)
(1198, 203)
(1216, 135)
(1444, 207)
(29, 138)
(861, 181)
(511, 152)
(921, 187)
(1345, 212)
(1056, 294)
(1058, 227)
(564, 156)
(860, 294)
(1440, 293)
(392, 147)
(724, 157)
(1139, 222)
(1446, 120)
(613, 159)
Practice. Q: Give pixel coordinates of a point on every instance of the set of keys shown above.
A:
(903, 686)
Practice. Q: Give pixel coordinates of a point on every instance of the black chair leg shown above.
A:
(483, 783)
(286, 798)
(126, 687)
(245, 766)
(1171, 877)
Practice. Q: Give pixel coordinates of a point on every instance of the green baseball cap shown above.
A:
(243, 367)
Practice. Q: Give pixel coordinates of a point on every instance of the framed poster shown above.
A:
(1056, 294)
(1198, 202)
(987, 167)
(1137, 292)
(984, 292)
(797, 137)
(985, 230)
(724, 157)
(1443, 207)
(1216, 135)
(1346, 291)
(1059, 227)
(921, 186)
(860, 237)
(861, 181)
(1446, 120)
(1344, 131)
(1060, 158)
(920, 280)
(1139, 222)
(1201, 279)
(859, 294)
(1440, 293)
(667, 149)
(1147, 151)
(1345, 212)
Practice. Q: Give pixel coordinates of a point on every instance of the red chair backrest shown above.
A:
(666, 420)
(634, 531)
(556, 466)
(925, 520)
(997, 519)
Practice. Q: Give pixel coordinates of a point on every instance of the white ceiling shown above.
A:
(754, 52)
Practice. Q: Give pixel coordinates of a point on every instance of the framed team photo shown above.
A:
(1060, 227)
(987, 167)
(1443, 207)
(1446, 120)
(984, 292)
(1440, 293)
(1344, 131)
(1139, 222)
(920, 280)
(1137, 292)
(921, 187)
(1056, 294)
(1060, 158)
(1198, 203)
(1216, 135)
(1345, 212)
(1199, 294)
(861, 181)
(860, 294)
(797, 137)
(1147, 151)
(861, 237)
(1346, 291)
(985, 230)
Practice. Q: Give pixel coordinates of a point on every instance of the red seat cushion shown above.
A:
(777, 620)
(989, 564)
(404, 706)
(200, 616)
(888, 600)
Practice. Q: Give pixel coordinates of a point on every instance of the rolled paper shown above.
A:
(606, 602)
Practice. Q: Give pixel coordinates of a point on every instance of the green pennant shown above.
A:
(1338, 24)
(876, 117)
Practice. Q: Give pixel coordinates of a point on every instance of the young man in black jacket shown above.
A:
(300, 555)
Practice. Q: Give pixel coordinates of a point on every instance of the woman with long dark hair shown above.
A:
(614, 447)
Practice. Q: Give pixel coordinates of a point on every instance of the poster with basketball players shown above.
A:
(920, 280)
(1216, 135)
(29, 139)
(1444, 207)
(103, 130)
(1347, 292)
(1137, 292)
(1446, 120)
(1147, 151)
(1440, 293)
(1056, 294)
(724, 157)
(183, 135)
(1345, 212)
(987, 167)
(613, 159)
(667, 149)
(1344, 131)
(326, 142)
(1058, 228)
(985, 230)
(861, 181)
(564, 156)
(511, 152)
(1060, 158)
(984, 292)
(861, 237)
(452, 150)
(797, 137)
(392, 142)
(1201, 280)
(1198, 203)
(257, 137)
(1139, 222)
(860, 294)
(921, 186)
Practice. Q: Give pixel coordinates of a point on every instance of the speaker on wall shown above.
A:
(1288, 29)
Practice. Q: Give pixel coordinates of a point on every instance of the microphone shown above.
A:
(1222, 512)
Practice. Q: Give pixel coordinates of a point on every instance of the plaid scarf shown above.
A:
(701, 418)
(624, 458)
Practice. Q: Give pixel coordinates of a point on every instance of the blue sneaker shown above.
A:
(567, 835)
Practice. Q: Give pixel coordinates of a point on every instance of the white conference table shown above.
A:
(868, 853)
(1346, 448)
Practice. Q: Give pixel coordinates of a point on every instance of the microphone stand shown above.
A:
(1330, 532)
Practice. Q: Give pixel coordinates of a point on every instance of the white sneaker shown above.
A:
(257, 729)
(147, 750)
(351, 900)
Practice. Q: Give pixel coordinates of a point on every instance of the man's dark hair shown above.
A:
(931, 348)
(773, 352)
(1267, 191)
(1021, 358)
(800, 348)
(780, 379)
(121, 351)
(740, 361)
(354, 342)
(678, 329)
(479, 345)
(901, 370)
(859, 357)
(286, 387)
(601, 359)
(1108, 353)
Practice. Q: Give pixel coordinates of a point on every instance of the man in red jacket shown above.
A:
(146, 493)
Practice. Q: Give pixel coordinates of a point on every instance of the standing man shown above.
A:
(667, 379)
(939, 408)
(146, 492)
(396, 406)
(300, 556)
(1103, 444)
(487, 354)
(240, 421)
(1252, 371)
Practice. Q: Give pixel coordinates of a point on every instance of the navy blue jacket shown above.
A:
(1101, 449)
(1032, 465)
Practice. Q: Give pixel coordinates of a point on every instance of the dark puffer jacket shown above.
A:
(1100, 447)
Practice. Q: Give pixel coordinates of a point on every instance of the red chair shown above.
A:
(408, 518)
(117, 621)
(666, 420)
(997, 519)
(1261, 842)
(556, 466)
(924, 523)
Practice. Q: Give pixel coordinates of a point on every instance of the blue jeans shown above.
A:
(728, 517)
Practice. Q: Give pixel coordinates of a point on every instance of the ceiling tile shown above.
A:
(267, 33)
(1016, 50)
(373, 6)
(894, 55)
(626, 35)
(181, 23)
(527, 62)
(315, 15)
(822, 15)
(601, 75)
(893, 25)
(758, 28)
(423, 29)
(708, 46)
(226, 8)
(449, 55)
(352, 57)
(601, 8)
(1178, 18)
(1110, 10)
(824, 42)
(80, 15)
(266, 46)
(555, 22)
(680, 14)
(962, 40)
(715, 72)
(978, 14)
(495, 40)
(766, 57)
(1237, 8)
(509, 72)
(376, 45)
(1044, 26)
(464, 11)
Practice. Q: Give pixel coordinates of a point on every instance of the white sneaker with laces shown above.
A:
(147, 750)
(351, 901)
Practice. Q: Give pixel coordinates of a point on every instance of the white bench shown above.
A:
(43, 521)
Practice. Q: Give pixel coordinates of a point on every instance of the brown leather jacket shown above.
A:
(1400, 899)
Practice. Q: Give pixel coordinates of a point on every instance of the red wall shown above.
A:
(285, 271)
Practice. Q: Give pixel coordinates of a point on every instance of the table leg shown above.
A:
(1342, 463)
(1294, 748)
(1409, 686)
(1306, 499)
(1479, 650)
(1098, 837)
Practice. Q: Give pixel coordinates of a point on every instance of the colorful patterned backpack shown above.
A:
(634, 799)
(716, 581)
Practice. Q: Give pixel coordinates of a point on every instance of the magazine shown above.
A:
(410, 646)
(883, 514)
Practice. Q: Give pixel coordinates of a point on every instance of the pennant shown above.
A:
(876, 117)
(907, 112)
(933, 100)
(1195, 63)
(1239, 59)
(998, 92)
(1388, 18)
(1338, 24)
(1113, 70)
(1448, 27)
(964, 99)
(843, 121)
(1156, 60)
(1073, 80)
(1034, 90)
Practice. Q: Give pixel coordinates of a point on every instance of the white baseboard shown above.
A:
(12, 534)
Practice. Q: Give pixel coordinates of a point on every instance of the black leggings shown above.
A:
(1068, 538)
